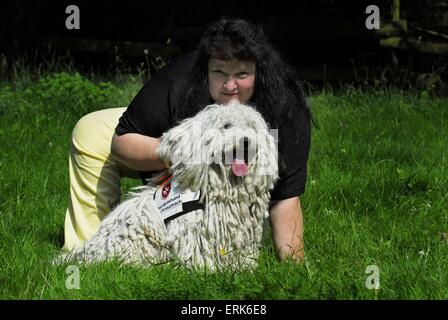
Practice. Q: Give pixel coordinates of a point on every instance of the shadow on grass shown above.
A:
(57, 238)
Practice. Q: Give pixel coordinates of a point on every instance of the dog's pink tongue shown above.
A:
(239, 167)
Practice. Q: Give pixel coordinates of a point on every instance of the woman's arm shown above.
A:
(287, 228)
(137, 151)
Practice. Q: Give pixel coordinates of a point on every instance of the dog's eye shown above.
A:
(227, 125)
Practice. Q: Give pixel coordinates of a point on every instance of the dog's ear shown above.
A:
(267, 157)
(187, 142)
(174, 144)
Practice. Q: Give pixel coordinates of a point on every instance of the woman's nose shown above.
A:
(231, 84)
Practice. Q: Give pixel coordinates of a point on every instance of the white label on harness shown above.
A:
(170, 197)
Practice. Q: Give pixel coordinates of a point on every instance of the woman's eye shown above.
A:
(243, 75)
(227, 125)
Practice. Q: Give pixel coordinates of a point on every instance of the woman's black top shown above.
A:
(153, 111)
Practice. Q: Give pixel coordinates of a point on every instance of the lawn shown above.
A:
(377, 195)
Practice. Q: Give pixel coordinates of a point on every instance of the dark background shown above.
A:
(326, 40)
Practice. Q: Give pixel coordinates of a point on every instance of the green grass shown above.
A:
(376, 195)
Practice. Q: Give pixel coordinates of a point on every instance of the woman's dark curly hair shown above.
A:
(277, 89)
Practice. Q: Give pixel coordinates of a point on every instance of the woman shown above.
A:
(234, 60)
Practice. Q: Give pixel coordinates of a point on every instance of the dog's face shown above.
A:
(222, 147)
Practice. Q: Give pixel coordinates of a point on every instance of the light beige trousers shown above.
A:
(95, 175)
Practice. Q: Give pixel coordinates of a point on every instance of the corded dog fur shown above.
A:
(226, 155)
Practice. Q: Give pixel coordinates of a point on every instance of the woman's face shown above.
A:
(231, 79)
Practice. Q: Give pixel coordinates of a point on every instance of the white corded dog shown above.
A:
(210, 212)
